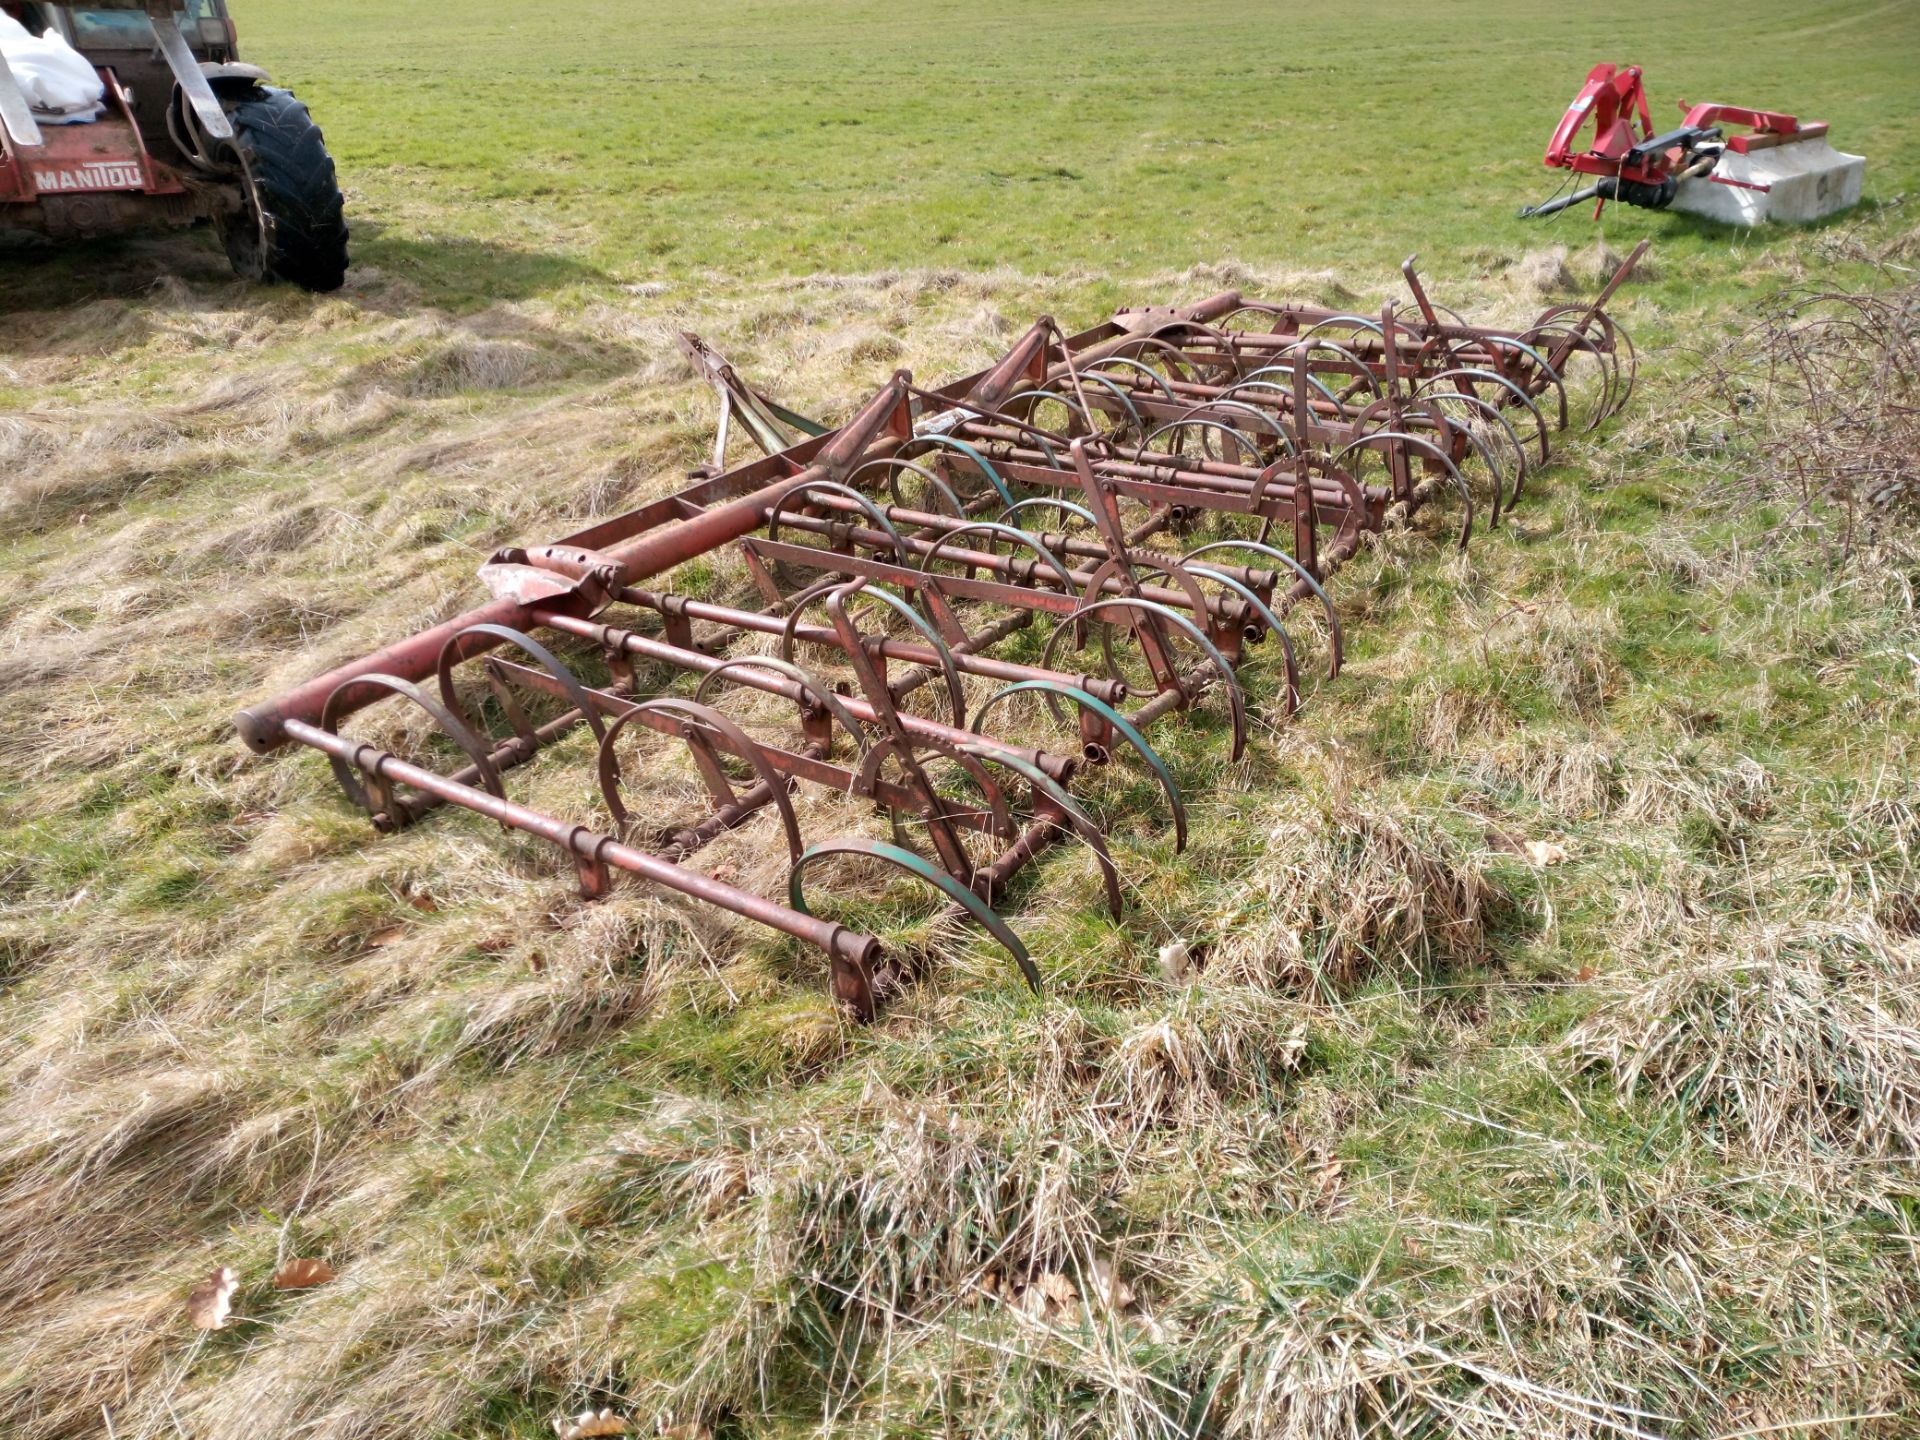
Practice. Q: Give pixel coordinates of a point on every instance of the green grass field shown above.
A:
(1436, 1143)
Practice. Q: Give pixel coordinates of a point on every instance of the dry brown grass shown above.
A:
(1801, 1040)
(1820, 399)
(1349, 889)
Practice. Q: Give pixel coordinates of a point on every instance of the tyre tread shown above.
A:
(294, 175)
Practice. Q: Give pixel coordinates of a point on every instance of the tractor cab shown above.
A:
(124, 41)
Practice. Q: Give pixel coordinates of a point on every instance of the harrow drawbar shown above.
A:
(1097, 530)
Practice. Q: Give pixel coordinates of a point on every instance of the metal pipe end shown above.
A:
(260, 728)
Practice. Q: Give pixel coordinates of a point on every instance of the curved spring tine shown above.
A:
(1359, 322)
(1069, 401)
(1422, 409)
(820, 692)
(1047, 502)
(973, 455)
(917, 867)
(1434, 452)
(1192, 421)
(826, 589)
(1485, 452)
(1236, 701)
(548, 661)
(1146, 370)
(1336, 642)
(1118, 389)
(893, 467)
(1270, 620)
(909, 757)
(1618, 341)
(1609, 369)
(1081, 821)
(1120, 723)
(1492, 412)
(1509, 342)
(451, 724)
(796, 607)
(1448, 314)
(1018, 536)
(873, 511)
(1617, 337)
(1480, 448)
(1492, 377)
(1250, 307)
(685, 711)
(1431, 336)
(956, 697)
(1272, 423)
(1130, 568)
(1258, 377)
(1180, 362)
(1206, 413)
(1306, 348)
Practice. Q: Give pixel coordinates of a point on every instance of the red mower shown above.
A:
(1777, 168)
(177, 132)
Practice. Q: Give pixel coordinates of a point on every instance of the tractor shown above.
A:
(184, 134)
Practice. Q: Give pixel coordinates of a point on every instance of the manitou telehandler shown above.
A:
(183, 133)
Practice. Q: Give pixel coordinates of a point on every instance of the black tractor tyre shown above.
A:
(291, 223)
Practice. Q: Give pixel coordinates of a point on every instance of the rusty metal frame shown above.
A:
(1172, 413)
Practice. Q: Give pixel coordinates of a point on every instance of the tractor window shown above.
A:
(128, 29)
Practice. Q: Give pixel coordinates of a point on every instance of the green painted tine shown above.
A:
(921, 869)
(1083, 822)
(1119, 722)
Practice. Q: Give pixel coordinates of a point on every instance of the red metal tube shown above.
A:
(906, 651)
(836, 940)
(263, 726)
(611, 636)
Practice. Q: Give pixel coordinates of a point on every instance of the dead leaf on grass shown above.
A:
(1326, 1184)
(1057, 1288)
(1109, 1289)
(1544, 853)
(588, 1423)
(210, 1303)
(1539, 853)
(302, 1274)
(1176, 960)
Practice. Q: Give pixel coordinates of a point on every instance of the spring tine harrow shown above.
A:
(1156, 494)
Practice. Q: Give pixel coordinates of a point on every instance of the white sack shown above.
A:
(54, 76)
